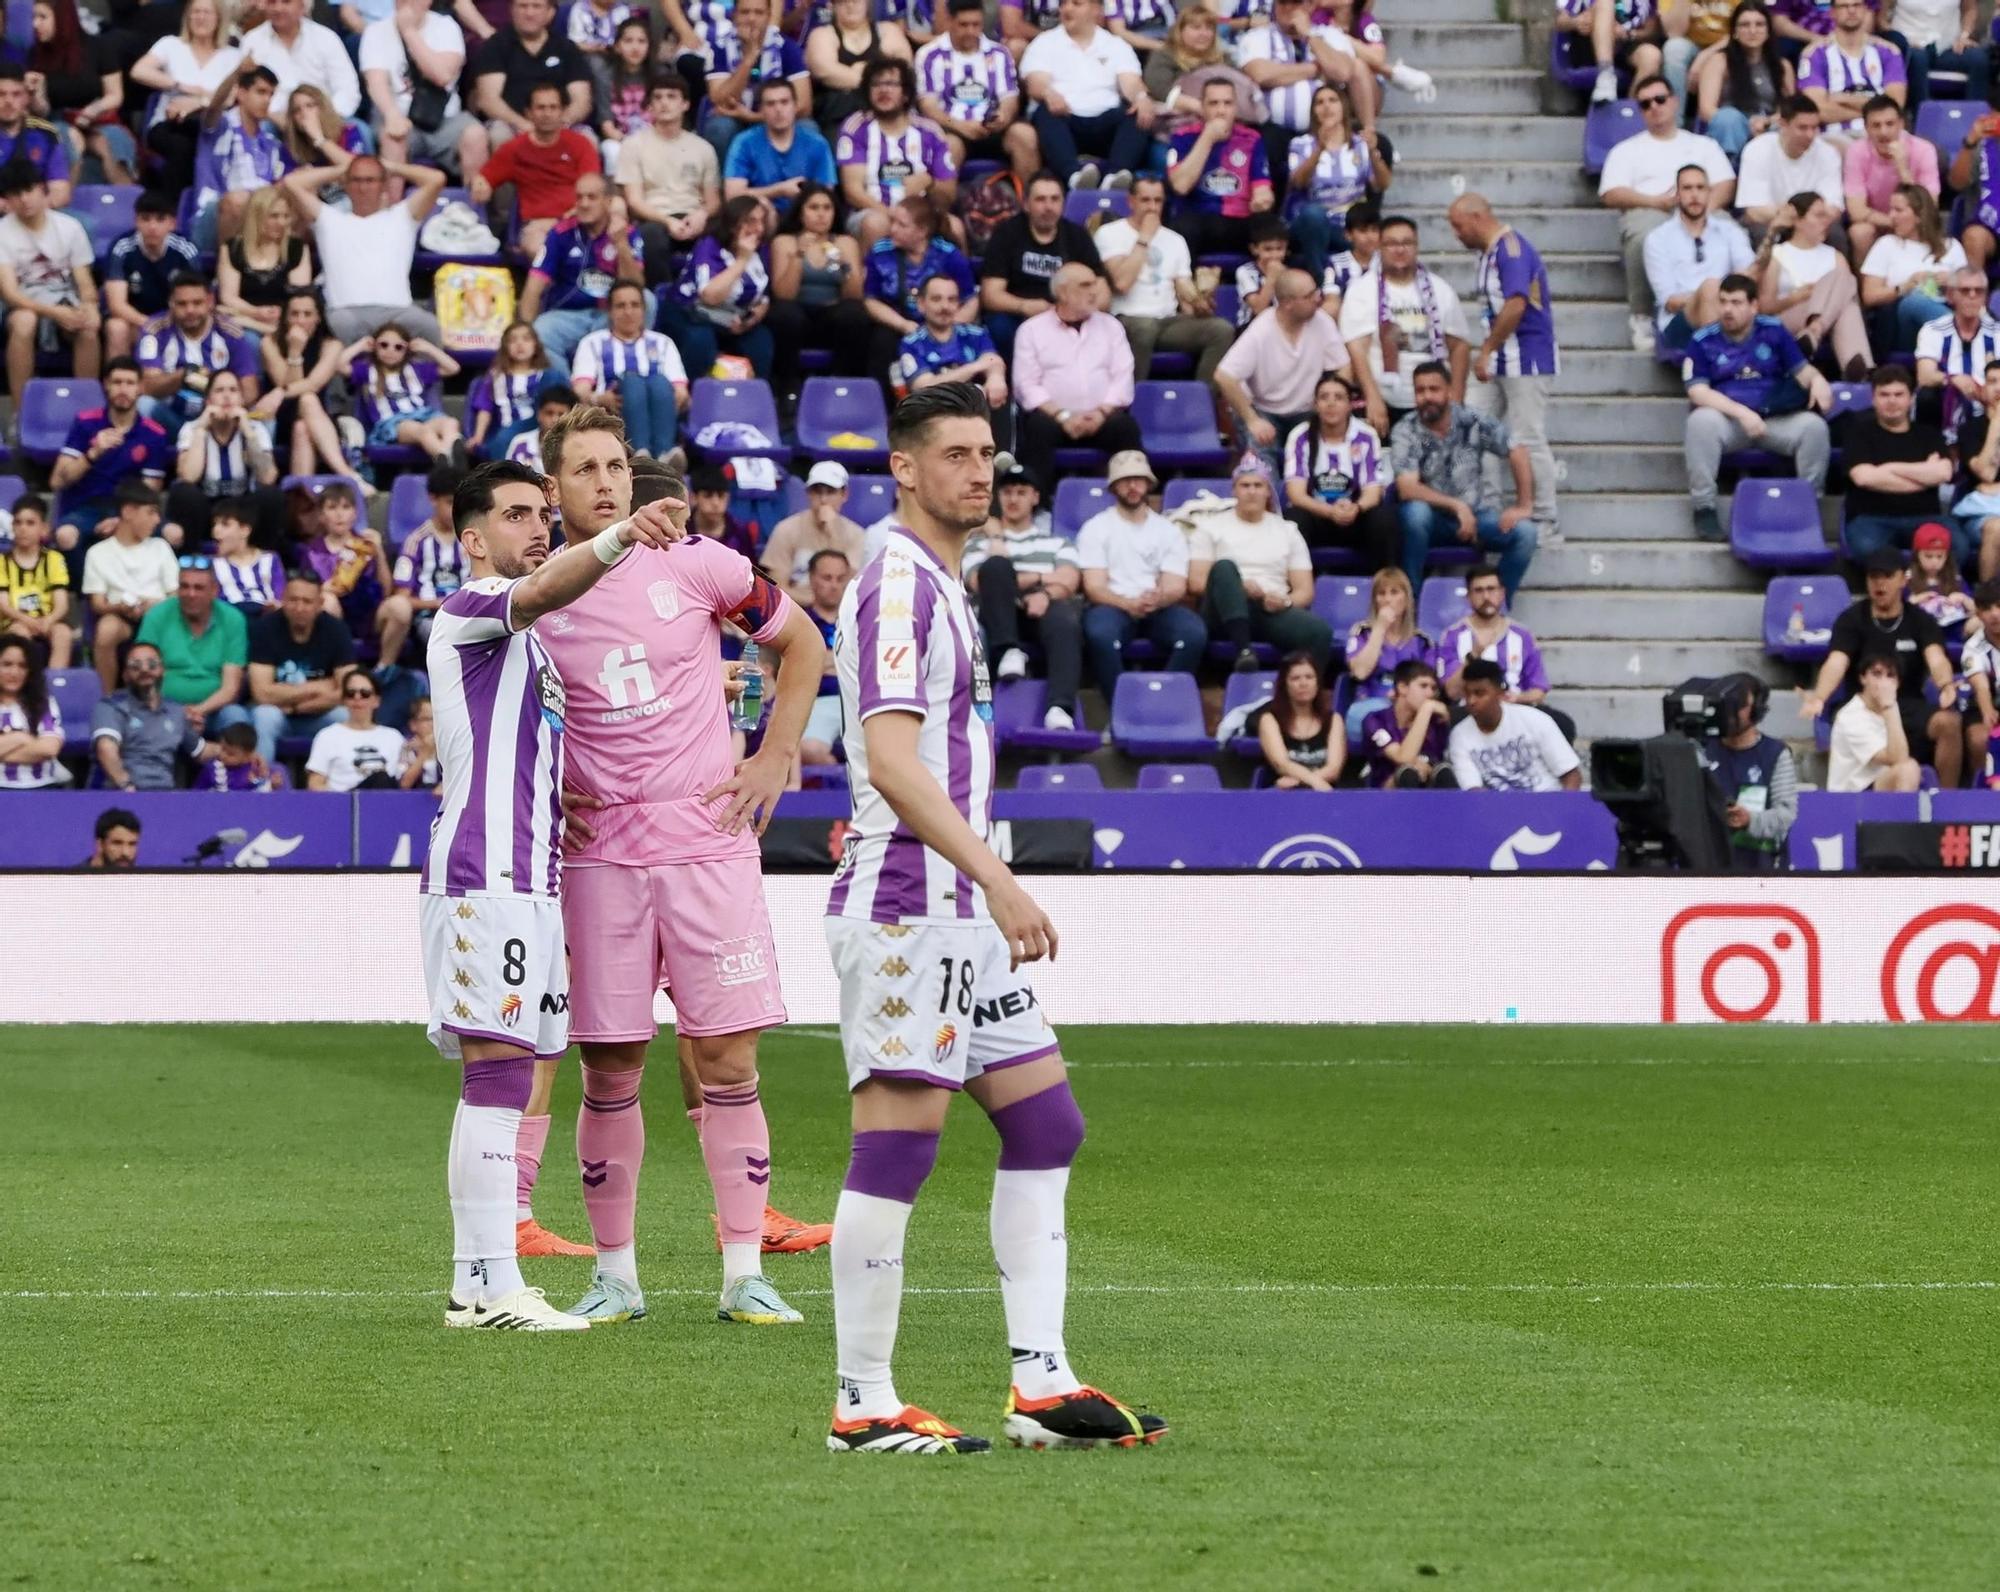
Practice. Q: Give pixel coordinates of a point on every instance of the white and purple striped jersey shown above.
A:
(1291, 104)
(499, 706)
(509, 397)
(431, 566)
(379, 393)
(907, 643)
(1512, 269)
(603, 357)
(1342, 269)
(1958, 356)
(527, 449)
(1141, 16)
(31, 776)
(1333, 471)
(595, 29)
(888, 160)
(260, 583)
(971, 86)
(226, 469)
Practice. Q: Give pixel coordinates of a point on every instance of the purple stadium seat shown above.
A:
(843, 406)
(1850, 398)
(409, 507)
(1075, 461)
(1774, 524)
(1177, 419)
(1817, 601)
(20, 26)
(1343, 602)
(1059, 776)
(1172, 364)
(1606, 127)
(48, 407)
(1179, 776)
(870, 498)
(1946, 122)
(1338, 561)
(1441, 604)
(1570, 62)
(75, 692)
(748, 404)
(1082, 204)
(1226, 302)
(823, 776)
(428, 260)
(1185, 489)
(1240, 690)
(11, 488)
(106, 213)
(1078, 498)
(1159, 715)
(1018, 706)
(1225, 652)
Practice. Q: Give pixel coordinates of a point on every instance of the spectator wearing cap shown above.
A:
(1135, 567)
(203, 645)
(1269, 375)
(45, 279)
(1018, 270)
(1884, 624)
(430, 566)
(366, 250)
(1153, 291)
(1895, 466)
(1502, 745)
(1073, 377)
(115, 839)
(1439, 453)
(1027, 582)
(1638, 182)
(136, 735)
(1869, 748)
(1747, 384)
(1489, 632)
(709, 488)
(126, 574)
(298, 658)
(818, 527)
(1253, 575)
(1088, 97)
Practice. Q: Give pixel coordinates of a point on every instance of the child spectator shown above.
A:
(1405, 739)
(551, 404)
(34, 586)
(140, 270)
(502, 399)
(236, 765)
(1364, 238)
(624, 76)
(421, 768)
(351, 564)
(1934, 583)
(1257, 277)
(249, 577)
(1870, 748)
(392, 374)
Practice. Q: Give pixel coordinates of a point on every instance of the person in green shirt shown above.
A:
(203, 644)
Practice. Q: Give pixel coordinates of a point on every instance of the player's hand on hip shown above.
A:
(752, 794)
(577, 830)
(1026, 927)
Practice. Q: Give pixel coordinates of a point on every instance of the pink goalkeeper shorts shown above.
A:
(699, 929)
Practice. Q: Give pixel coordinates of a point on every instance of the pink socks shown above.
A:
(610, 1144)
(529, 1144)
(736, 1144)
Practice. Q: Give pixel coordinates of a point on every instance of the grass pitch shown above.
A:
(1502, 1308)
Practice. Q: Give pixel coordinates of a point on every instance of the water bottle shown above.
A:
(749, 707)
(1796, 629)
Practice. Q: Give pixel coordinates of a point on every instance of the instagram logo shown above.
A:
(1739, 964)
(1943, 966)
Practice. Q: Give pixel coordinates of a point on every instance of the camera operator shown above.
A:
(1758, 779)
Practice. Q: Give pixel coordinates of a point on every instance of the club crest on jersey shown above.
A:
(510, 1010)
(665, 597)
(947, 1036)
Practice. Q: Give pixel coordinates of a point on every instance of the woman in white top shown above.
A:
(1808, 284)
(359, 754)
(1870, 750)
(31, 733)
(185, 69)
(1906, 269)
(1252, 575)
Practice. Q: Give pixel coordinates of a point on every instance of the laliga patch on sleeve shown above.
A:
(896, 663)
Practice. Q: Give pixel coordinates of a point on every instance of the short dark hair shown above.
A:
(958, 8)
(1793, 106)
(1737, 282)
(133, 493)
(557, 392)
(1269, 227)
(1985, 595)
(154, 203)
(256, 74)
(121, 817)
(1891, 375)
(1482, 572)
(18, 176)
(812, 564)
(1694, 166)
(709, 478)
(338, 492)
(1364, 213)
(1648, 81)
(1152, 177)
(303, 572)
(360, 674)
(122, 362)
(774, 84)
(181, 279)
(1881, 102)
(474, 498)
(903, 72)
(1412, 669)
(652, 481)
(1431, 367)
(548, 83)
(13, 72)
(1482, 669)
(1876, 658)
(33, 502)
(236, 509)
(444, 480)
(241, 736)
(1399, 221)
(663, 81)
(1040, 177)
(625, 284)
(948, 400)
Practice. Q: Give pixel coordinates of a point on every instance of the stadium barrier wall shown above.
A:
(1190, 948)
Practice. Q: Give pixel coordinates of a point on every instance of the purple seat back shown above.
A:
(741, 403)
(870, 498)
(48, 407)
(1253, 685)
(1570, 62)
(1606, 127)
(1947, 122)
(1066, 776)
(1082, 204)
(1850, 398)
(1179, 776)
(1818, 600)
(1177, 421)
(1774, 524)
(1078, 498)
(1189, 487)
(11, 488)
(831, 405)
(107, 213)
(1441, 604)
(409, 507)
(1151, 706)
(75, 692)
(1343, 601)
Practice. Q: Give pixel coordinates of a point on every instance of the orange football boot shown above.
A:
(533, 1241)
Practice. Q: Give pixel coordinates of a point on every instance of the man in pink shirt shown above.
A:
(663, 887)
(1875, 166)
(1072, 378)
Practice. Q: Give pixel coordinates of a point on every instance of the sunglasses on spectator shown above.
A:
(1655, 99)
(356, 693)
(197, 561)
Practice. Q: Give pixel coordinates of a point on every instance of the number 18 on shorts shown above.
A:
(495, 968)
(934, 1003)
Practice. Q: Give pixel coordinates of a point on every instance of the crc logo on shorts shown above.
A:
(894, 1006)
(510, 1010)
(947, 1036)
(895, 663)
(1739, 964)
(665, 597)
(741, 961)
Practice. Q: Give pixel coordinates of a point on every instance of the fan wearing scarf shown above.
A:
(1396, 317)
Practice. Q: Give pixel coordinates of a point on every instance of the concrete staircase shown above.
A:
(1630, 603)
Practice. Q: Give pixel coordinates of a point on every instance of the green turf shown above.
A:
(1517, 1308)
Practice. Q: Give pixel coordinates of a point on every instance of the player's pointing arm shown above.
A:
(569, 574)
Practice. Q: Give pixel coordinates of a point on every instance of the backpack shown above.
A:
(983, 205)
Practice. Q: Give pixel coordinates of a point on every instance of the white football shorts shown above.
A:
(495, 968)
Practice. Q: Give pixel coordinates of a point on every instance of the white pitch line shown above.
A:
(1582, 1289)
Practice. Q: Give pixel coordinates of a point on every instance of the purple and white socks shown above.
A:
(480, 1177)
(887, 1168)
(1039, 1138)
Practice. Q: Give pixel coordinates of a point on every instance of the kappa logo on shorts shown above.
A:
(894, 1006)
(461, 1011)
(665, 597)
(894, 931)
(461, 978)
(465, 910)
(895, 967)
(741, 961)
(510, 1010)
(892, 1047)
(461, 945)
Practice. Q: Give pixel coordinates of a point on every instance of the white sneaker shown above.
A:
(1413, 82)
(1645, 338)
(1058, 719)
(1551, 536)
(1607, 87)
(1118, 182)
(523, 1310)
(1013, 665)
(1085, 177)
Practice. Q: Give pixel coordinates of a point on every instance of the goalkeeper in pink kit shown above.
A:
(665, 889)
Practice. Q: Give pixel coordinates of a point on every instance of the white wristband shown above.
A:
(608, 545)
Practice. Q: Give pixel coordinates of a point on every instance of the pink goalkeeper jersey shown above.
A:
(646, 727)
